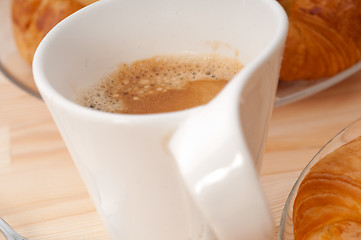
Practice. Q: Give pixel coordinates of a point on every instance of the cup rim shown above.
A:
(47, 89)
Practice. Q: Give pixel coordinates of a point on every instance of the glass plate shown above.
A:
(293, 91)
(11, 63)
(19, 72)
(346, 135)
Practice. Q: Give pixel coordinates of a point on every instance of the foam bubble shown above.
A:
(96, 97)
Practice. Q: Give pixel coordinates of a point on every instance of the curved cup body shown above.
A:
(123, 159)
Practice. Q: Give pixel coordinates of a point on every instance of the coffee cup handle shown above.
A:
(220, 175)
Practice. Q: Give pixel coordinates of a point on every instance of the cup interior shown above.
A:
(92, 42)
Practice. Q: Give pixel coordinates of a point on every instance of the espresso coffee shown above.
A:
(161, 84)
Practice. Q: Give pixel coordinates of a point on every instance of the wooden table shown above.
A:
(43, 197)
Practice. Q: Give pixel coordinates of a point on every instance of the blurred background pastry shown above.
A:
(324, 38)
(33, 19)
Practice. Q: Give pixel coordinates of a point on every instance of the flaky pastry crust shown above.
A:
(328, 202)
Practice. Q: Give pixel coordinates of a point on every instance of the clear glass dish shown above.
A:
(19, 72)
(294, 91)
(11, 63)
(346, 135)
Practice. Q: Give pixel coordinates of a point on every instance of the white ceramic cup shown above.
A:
(124, 159)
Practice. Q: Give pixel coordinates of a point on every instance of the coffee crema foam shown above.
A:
(161, 84)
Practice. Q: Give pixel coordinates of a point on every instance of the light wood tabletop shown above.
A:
(43, 197)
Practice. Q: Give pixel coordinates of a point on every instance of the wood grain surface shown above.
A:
(43, 197)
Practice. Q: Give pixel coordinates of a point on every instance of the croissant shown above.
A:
(324, 38)
(33, 19)
(328, 202)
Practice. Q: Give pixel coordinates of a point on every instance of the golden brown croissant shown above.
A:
(328, 202)
(324, 38)
(33, 19)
